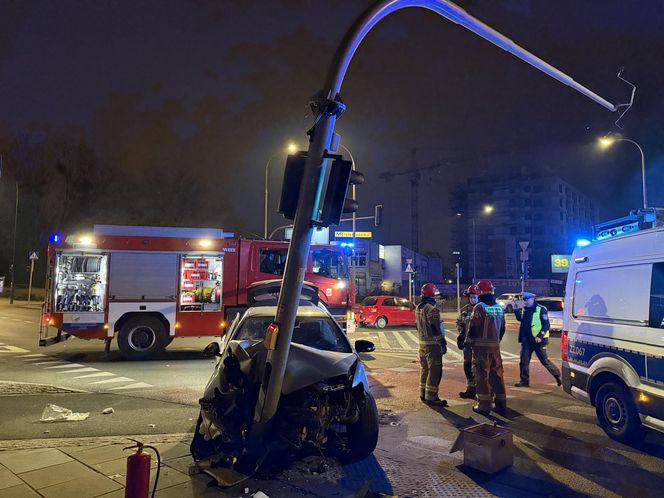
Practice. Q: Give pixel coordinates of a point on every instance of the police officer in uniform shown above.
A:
(533, 336)
(433, 345)
(486, 329)
(463, 320)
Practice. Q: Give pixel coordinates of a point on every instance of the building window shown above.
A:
(538, 202)
(360, 258)
(560, 188)
(526, 188)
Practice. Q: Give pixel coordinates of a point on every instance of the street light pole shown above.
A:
(474, 268)
(267, 165)
(13, 266)
(608, 141)
(327, 107)
(352, 249)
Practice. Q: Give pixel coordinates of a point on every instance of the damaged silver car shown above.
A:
(325, 407)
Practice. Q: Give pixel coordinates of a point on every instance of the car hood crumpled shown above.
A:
(307, 365)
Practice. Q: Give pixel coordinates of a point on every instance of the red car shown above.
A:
(382, 311)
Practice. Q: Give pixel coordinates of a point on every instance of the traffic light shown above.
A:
(290, 187)
(335, 203)
(340, 175)
(378, 214)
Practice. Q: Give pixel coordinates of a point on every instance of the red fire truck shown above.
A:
(148, 285)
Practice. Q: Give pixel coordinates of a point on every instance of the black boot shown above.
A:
(559, 381)
(521, 384)
(469, 393)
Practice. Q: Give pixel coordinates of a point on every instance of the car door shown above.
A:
(390, 310)
(405, 311)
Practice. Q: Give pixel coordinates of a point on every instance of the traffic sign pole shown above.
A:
(32, 269)
(458, 291)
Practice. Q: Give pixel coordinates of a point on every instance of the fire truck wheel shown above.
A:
(142, 337)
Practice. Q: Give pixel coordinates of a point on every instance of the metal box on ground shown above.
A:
(489, 448)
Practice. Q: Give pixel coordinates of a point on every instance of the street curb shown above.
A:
(30, 444)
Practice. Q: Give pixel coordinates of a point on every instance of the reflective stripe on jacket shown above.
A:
(536, 324)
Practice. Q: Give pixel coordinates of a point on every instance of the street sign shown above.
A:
(358, 235)
(524, 245)
(560, 263)
(33, 255)
(409, 268)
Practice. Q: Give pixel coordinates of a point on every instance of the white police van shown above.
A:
(613, 326)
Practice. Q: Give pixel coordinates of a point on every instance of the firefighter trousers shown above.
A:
(527, 350)
(431, 371)
(468, 367)
(489, 378)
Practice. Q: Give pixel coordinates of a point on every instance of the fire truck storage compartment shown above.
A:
(143, 276)
(201, 283)
(80, 282)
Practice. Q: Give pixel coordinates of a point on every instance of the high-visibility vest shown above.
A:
(536, 324)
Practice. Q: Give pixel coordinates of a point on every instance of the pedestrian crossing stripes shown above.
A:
(406, 341)
(90, 376)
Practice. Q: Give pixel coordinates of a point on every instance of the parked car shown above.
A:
(554, 307)
(325, 405)
(510, 302)
(381, 311)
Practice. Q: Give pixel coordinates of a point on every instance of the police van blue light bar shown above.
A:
(582, 243)
(347, 244)
(55, 238)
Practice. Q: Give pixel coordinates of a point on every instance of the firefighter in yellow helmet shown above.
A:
(433, 345)
(486, 329)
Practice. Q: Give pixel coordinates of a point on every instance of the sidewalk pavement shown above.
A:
(20, 303)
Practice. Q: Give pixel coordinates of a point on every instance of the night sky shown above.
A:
(185, 101)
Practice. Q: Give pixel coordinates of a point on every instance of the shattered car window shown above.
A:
(315, 332)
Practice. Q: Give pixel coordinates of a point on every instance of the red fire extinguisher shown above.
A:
(138, 471)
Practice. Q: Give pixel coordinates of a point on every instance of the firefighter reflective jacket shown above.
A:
(429, 325)
(487, 326)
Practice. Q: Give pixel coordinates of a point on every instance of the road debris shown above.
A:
(107, 411)
(55, 413)
(259, 494)
(152, 426)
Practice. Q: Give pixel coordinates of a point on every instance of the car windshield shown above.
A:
(327, 263)
(318, 332)
(504, 297)
(551, 304)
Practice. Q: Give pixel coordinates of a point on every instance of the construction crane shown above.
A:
(414, 176)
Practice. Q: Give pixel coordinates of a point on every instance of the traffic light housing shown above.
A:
(378, 214)
(340, 175)
(335, 203)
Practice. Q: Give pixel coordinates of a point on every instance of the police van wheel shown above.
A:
(617, 413)
(381, 322)
(142, 337)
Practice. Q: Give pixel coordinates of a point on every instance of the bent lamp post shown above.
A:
(327, 107)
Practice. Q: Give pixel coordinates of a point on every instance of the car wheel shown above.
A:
(381, 322)
(142, 337)
(617, 413)
(509, 308)
(363, 434)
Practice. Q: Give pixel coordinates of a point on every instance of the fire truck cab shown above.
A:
(146, 285)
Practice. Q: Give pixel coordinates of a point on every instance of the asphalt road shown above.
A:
(559, 449)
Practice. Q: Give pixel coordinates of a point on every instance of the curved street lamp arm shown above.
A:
(457, 15)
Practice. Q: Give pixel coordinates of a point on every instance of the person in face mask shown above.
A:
(463, 321)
